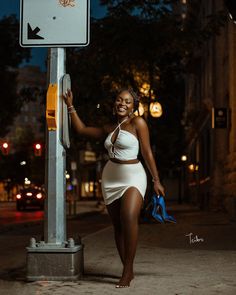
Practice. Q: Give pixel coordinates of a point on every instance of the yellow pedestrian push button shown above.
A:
(51, 110)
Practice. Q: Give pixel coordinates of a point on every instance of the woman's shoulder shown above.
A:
(138, 122)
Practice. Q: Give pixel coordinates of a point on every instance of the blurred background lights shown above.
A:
(27, 181)
(155, 109)
(5, 145)
(38, 146)
(183, 158)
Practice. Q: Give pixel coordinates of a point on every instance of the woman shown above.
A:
(123, 178)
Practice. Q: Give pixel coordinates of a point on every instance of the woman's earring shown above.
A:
(130, 114)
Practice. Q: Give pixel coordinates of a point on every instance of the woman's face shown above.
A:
(124, 104)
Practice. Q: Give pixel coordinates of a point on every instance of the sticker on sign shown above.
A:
(54, 23)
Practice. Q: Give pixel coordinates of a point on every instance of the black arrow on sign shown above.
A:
(32, 34)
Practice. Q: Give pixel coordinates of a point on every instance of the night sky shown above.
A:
(9, 7)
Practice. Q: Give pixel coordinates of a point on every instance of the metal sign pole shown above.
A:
(55, 213)
(44, 24)
(55, 258)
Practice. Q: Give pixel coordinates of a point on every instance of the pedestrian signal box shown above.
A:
(51, 110)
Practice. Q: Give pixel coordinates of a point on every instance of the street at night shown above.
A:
(117, 147)
(9, 215)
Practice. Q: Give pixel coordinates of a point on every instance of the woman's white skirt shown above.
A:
(117, 178)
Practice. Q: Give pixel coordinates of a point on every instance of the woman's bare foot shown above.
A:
(125, 281)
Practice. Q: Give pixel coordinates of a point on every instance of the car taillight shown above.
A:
(18, 196)
(39, 196)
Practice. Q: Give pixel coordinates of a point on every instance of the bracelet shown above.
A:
(73, 110)
(155, 179)
(70, 107)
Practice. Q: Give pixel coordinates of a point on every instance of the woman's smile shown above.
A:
(121, 109)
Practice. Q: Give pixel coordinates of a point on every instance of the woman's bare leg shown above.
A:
(114, 212)
(131, 204)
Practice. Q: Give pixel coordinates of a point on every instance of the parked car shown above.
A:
(30, 197)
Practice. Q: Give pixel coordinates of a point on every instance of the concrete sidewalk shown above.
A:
(195, 256)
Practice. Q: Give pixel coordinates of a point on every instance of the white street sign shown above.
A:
(54, 23)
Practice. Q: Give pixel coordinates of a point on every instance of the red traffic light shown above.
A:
(37, 149)
(5, 148)
(38, 146)
(5, 145)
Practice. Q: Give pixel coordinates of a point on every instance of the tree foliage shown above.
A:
(11, 55)
(139, 42)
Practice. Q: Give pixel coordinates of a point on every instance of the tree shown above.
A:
(11, 55)
(139, 41)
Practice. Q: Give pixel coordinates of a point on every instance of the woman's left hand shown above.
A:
(158, 188)
(68, 97)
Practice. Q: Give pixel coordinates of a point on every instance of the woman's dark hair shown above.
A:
(133, 94)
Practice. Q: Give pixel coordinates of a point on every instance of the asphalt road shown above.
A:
(9, 214)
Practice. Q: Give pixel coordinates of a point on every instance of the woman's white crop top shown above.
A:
(125, 147)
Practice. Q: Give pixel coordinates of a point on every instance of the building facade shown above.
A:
(26, 130)
(210, 116)
(31, 83)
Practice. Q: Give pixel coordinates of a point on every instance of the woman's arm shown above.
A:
(144, 140)
(77, 123)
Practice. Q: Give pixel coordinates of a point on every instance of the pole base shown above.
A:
(50, 263)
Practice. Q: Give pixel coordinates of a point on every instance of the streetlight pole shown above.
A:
(182, 179)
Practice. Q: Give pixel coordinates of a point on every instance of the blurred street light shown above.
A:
(184, 158)
(153, 107)
(67, 175)
(193, 167)
(141, 110)
(182, 178)
(144, 90)
(27, 181)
